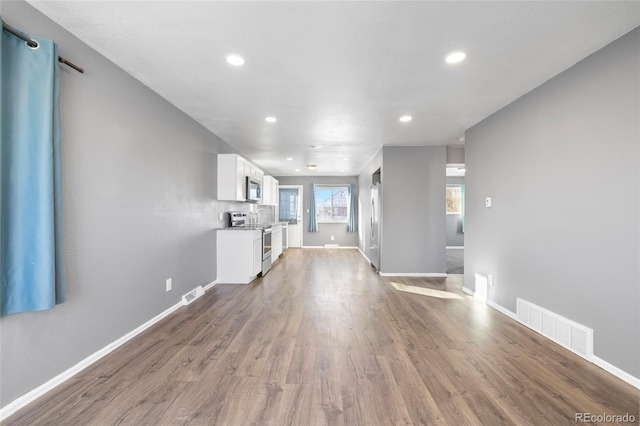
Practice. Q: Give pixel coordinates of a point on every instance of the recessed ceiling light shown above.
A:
(297, 170)
(311, 166)
(342, 170)
(406, 118)
(455, 57)
(345, 158)
(461, 139)
(235, 60)
(289, 159)
(270, 119)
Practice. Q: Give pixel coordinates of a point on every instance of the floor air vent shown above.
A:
(573, 336)
(192, 295)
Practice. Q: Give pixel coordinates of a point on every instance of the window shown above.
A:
(332, 204)
(454, 203)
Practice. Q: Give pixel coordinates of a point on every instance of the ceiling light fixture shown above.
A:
(296, 170)
(235, 60)
(311, 166)
(455, 57)
(345, 158)
(270, 119)
(406, 118)
(289, 159)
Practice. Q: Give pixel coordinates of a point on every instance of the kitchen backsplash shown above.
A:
(226, 206)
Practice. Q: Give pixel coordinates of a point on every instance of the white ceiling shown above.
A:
(339, 74)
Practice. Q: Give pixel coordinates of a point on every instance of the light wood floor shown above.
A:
(323, 340)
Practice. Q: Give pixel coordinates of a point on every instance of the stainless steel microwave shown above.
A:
(254, 190)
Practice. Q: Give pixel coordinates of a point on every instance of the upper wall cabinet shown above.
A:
(233, 171)
(269, 191)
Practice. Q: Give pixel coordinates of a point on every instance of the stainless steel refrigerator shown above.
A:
(374, 242)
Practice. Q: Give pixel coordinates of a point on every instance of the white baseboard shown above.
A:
(414, 274)
(621, 374)
(364, 255)
(609, 368)
(210, 285)
(36, 393)
(455, 247)
(330, 247)
(503, 310)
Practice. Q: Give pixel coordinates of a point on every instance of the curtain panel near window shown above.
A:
(313, 215)
(31, 264)
(352, 225)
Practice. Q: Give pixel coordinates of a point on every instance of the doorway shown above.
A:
(290, 211)
(455, 218)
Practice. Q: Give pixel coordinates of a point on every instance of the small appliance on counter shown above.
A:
(236, 219)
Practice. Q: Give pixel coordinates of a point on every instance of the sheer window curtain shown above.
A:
(353, 217)
(313, 218)
(31, 264)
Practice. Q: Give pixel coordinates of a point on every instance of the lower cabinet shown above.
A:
(276, 242)
(257, 255)
(239, 256)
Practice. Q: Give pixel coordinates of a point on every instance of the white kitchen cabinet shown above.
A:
(269, 191)
(239, 255)
(266, 191)
(233, 171)
(231, 177)
(257, 254)
(276, 242)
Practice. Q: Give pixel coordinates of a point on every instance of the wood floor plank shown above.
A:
(323, 340)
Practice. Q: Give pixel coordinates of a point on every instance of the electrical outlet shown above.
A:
(220, 216)
(333, 238)
(168, 284)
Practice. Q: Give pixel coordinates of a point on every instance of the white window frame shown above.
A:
(336, 185)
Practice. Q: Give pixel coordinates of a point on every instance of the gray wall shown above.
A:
(138, 186)
(455, 237)
(325, 230)
(562, 166)
(455, 154)
(413, 209)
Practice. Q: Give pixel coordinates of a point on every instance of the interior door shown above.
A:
(290, 211)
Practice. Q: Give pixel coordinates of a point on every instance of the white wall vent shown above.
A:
(192, 295)
(573, 336)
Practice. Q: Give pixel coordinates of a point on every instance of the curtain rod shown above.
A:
(33, 43)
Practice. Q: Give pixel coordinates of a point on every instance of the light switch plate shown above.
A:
(488, 202)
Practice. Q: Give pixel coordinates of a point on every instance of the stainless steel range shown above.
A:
(238, 220)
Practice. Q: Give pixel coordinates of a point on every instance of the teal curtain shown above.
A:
(313, 218)
(352, 225)
(462, 208)
(31, 264)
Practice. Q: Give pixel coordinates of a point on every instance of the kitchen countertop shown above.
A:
(257, 227)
